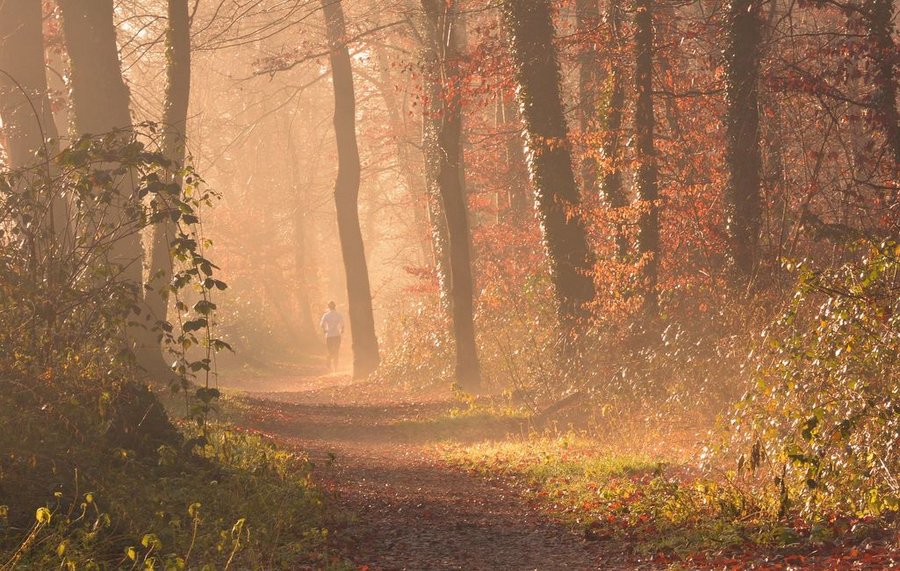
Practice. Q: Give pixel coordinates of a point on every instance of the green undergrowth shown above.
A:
(666, 513)
(216, 498)
(469, 418)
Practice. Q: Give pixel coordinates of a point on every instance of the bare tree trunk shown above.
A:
(742, 151)
(174, 125)
(590, 78)
(302, 266)
(28, 124)
(645, 154)
(444, 151)
(100, 99)
(300, 230)
(24, 103)
(611, 184)
(346, 195)
(537, 76)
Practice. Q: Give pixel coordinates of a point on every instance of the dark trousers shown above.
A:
(333, 344)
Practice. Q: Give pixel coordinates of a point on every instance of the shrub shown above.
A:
(93, 474)
(823, 419)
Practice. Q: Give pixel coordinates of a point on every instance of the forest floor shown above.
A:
(417, 484)
(399, 504)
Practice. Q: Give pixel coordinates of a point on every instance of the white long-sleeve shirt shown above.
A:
(332, 323)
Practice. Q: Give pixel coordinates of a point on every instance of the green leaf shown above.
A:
(218, 345)
(207, 395)
(195, 324)
(204, 307)
(809, 428)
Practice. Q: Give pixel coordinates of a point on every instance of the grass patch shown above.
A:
(662, 512)
(467, 423)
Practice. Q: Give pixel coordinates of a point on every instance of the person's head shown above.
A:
(331, 305)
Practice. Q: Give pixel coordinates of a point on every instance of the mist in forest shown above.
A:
(262, 136)
(469, 284)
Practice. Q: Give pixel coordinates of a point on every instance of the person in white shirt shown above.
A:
(332, 325)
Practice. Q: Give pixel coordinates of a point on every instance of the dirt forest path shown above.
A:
(407, 509)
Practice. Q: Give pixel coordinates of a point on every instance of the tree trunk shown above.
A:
(508, 120)
(611, 183)
(645, 155)
(742, 152)
(519, 196)
(301, 222)
(590, 78)
(100, 105)
(174, 125)
(28, 125)
(24, 103)
(346, 195)
(444, 151)
(537, 76)
(879, 16)
(100, 99)
(437, 222)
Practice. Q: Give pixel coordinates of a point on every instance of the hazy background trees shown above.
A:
(671, 149)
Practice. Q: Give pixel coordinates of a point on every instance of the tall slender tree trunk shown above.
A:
(460, 48)
(518, 194)
(100, 105)
(444, 154)
(742, 151)
(437, 222)
(879, 19)
(537, 75)
(28, 125)
(24, 104)
(611, 183)
(346, 195)
(645, 154)
(590, 79)
(300, 231)
(174, 125)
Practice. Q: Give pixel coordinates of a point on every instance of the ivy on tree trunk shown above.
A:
(537, 75)
(444, 155)
(611, 186)
(742, 150)
(645, 155)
